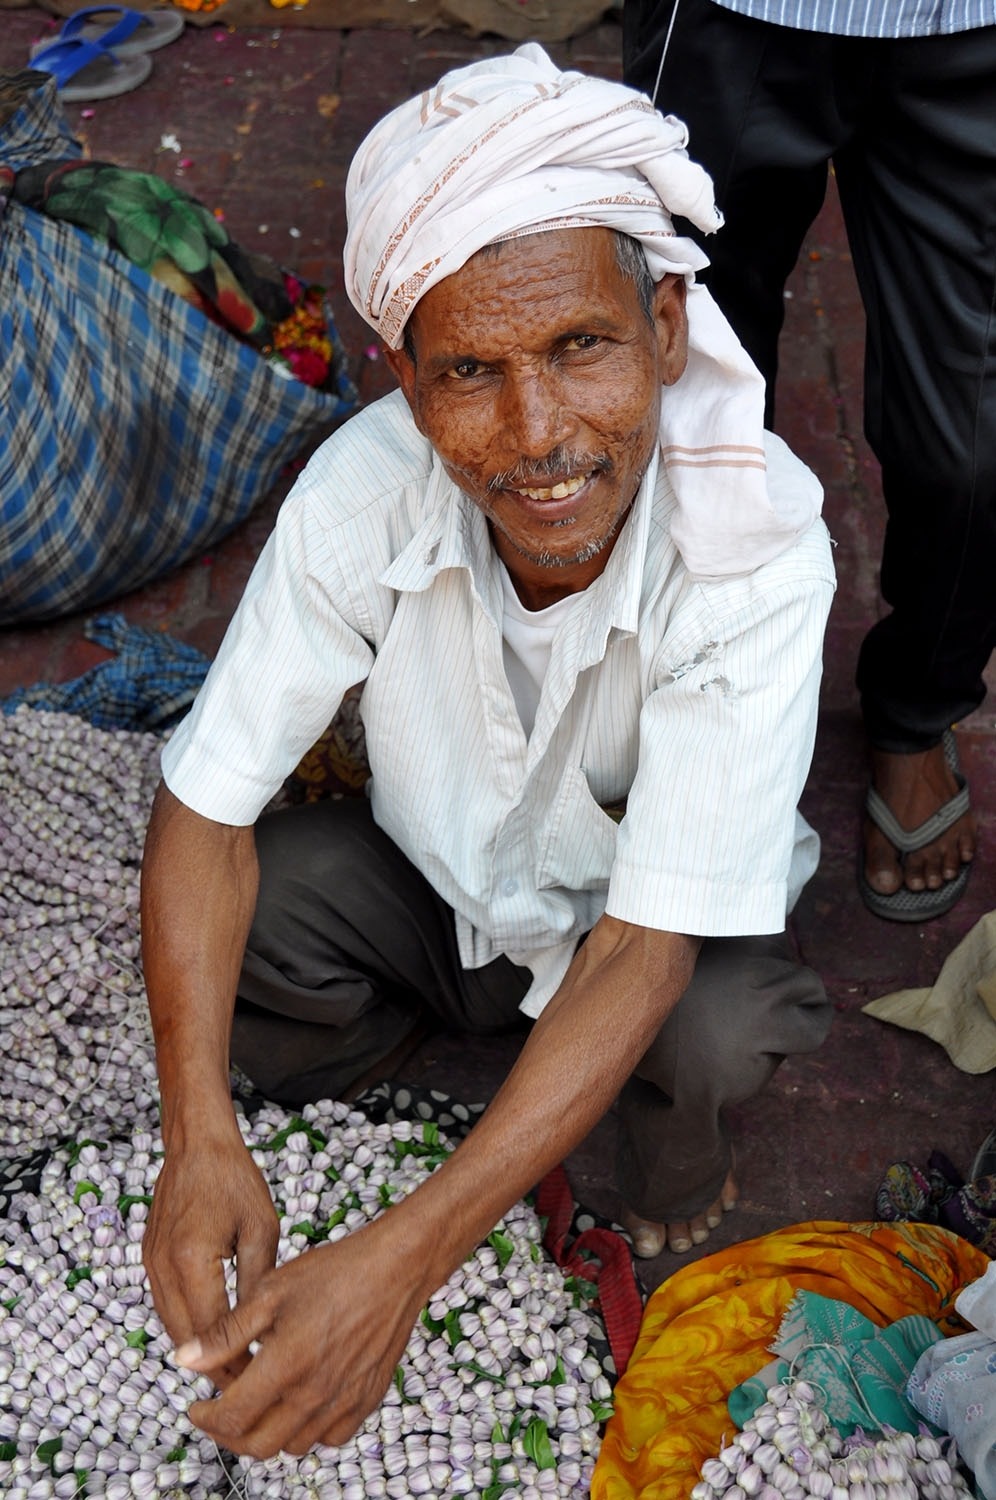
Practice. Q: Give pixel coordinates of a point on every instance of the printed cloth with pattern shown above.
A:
(134, 431)
(710, 1326)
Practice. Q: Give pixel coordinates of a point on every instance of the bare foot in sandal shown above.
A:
(915, 788)
(678, 1236)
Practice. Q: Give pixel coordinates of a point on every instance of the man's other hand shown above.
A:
(332, 1326)
(210, 1205)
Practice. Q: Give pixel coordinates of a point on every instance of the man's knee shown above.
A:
(749, 1005)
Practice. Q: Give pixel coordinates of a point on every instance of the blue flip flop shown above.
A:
(87, 71)
(123, 31)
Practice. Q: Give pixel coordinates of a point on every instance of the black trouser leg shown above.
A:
(734, 81)
(918, 189)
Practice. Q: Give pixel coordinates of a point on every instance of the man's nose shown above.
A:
(536, 418)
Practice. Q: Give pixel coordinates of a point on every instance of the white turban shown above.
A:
(511, 146)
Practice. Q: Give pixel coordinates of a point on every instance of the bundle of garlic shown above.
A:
(788, 1450)
(497, 1394)
(74, 1033)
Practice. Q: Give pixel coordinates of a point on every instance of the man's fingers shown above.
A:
(225, 1344)
(253, 1260)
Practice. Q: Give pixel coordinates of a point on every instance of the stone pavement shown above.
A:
(262, 125)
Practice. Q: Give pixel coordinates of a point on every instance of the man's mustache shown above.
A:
(557, 464)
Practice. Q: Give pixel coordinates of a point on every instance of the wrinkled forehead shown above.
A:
(528, 277)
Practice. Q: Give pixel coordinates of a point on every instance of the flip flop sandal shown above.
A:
(83, 71)
(125, 32)
(905, 905)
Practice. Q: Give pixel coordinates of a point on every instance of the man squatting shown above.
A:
(570, 568)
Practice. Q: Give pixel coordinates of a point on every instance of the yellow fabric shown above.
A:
(708, 1328)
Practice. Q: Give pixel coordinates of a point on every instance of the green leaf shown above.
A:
(515, 1426)
(430, 1133)
(502, 1246)
(451, 1327)
(7, 1452)
(581, 1290)
(81, 1476)
(498, 1434)
(283, 1136)
(78, 1273)
(602, 1410)
(335, 1217)
(482, 1372)
(384, 1194)
(137, 1339)
(536, 1441)
(176, 1455)
(399, 1380)
(11, 1302)
(433, 1324)
(84, 1187)
(559, 1376)
(494, 1491)
(127, 1200)
(535, 1252)
(47, 1451)
(77, 1147)
(308, 1230)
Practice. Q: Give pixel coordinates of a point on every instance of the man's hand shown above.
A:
(332, 1327)
(210, 1205)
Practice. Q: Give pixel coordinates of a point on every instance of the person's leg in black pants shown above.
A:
(742, 87)
(918, 191)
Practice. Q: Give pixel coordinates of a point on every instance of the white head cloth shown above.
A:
(511, 146)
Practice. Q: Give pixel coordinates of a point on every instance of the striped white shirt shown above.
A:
(696, 701)
(872, 18)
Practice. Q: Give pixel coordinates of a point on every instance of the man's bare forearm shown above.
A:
(199, 884)
(618, 993)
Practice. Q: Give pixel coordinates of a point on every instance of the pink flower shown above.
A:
(309, 367)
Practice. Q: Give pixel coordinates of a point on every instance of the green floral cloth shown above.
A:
(180, 242)
(861, 1369)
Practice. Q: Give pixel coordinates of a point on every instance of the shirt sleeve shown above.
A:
(288, 657)
(726, 739)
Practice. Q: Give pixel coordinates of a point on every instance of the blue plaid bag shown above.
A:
(134, 432)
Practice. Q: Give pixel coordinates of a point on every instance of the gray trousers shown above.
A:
(350, 944)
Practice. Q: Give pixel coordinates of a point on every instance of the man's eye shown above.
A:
(465, 370)
(583, 341)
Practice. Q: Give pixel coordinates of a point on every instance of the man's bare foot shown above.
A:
(649, 1239)
(914, 787)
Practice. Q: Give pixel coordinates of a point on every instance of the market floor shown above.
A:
(260, 125)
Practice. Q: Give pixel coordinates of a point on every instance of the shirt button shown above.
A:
(509, 887)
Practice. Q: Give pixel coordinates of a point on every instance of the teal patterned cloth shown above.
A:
(861, 1369)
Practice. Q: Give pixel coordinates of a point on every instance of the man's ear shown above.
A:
(403, 369)
(671, 326)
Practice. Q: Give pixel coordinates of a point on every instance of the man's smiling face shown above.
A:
(537, 378)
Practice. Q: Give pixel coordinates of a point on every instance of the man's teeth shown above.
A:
(558, 492)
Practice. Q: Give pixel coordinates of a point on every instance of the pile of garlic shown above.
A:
(788, 1450)
(74, 1032)
(497, 1394)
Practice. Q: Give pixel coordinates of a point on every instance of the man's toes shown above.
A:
(882, 868)
(679, 1235)
(648, 1240)
(680, 1238)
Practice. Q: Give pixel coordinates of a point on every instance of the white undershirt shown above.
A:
(527, 641)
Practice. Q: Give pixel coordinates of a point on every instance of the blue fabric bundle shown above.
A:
(134, 432)
(148, 685)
